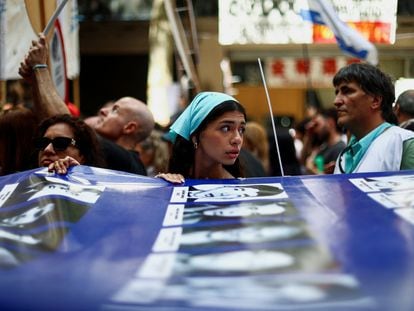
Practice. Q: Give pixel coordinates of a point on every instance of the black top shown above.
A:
(251, 165)
(331, 153)
(120, 159)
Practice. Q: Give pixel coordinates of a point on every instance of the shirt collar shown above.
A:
(356, 149)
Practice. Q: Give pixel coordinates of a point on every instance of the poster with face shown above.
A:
(228, 193)
(239, 211)
(241, 234)
(37, 212)
(39, 185)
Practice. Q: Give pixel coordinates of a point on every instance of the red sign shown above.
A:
(375, 32)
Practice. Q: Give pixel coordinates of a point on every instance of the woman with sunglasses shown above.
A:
(66, 141)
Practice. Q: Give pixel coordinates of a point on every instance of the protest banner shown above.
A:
(98, 239)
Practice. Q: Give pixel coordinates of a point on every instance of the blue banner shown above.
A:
(98, 239)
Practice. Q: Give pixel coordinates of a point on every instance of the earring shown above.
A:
(195, 145)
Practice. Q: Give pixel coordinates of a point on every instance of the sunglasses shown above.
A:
(58, 143)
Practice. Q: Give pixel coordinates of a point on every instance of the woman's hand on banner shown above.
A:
(172, 178)
(61, 166)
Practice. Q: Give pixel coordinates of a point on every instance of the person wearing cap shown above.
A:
(207, 139)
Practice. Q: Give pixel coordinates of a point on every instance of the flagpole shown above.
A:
(55, 15)
(2, 93)
(271, 116)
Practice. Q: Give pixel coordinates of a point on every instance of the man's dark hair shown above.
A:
(406, 102)
(373, 82)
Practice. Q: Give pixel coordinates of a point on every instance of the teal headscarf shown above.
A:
(195, 113)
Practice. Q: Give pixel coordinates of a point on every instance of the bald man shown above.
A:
(126, 123)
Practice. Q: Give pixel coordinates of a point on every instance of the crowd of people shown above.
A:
(367, 130)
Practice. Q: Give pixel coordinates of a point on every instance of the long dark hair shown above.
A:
(86, 139)
(17, 129)
(183, 152)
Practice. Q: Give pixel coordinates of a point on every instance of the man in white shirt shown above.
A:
(364, 98)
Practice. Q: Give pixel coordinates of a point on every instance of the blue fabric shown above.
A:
(357, 149)
(195, 113)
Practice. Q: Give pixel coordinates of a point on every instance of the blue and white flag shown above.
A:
(349, 40)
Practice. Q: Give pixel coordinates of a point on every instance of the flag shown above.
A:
(349, 40)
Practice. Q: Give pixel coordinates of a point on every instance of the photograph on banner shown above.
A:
(299, 256)
(40, 214)
(317, 291)
(36, 228)
(239, 212)
(384, 183)
(38, 186)
(235, 234)
(228, 192)
(406, 213)
(395, 199)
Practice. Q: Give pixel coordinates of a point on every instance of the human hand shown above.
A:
(310, 127)
(61, 166)
(37, 54)
(329, 168)
(310, 164)
(25, 71)
(172, 178)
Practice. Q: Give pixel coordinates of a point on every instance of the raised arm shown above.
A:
(34, 69)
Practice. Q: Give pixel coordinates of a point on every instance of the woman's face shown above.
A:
(50, 153)
(222, 139)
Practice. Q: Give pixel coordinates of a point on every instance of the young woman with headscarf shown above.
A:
(207, 138)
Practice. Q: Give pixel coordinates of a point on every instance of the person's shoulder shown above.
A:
(407, 161)
(110, 148)
(251, 165)
(408, 125)
(341, 143)
(409, 145)
(395, 131)
(120, 159)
